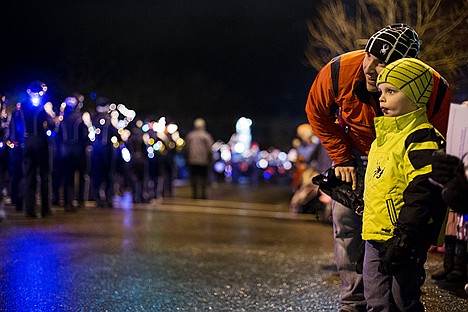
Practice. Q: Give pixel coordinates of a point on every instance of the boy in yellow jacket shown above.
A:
(403, 211)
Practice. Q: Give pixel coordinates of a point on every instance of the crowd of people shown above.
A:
(66, 156)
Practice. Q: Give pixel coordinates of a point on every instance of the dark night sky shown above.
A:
(220, 59)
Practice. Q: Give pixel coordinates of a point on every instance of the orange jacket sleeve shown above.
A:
(321, 109)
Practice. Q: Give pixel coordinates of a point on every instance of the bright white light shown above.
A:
(239, 147)
(160, 126)
(262, 164)
(171, 128)
(282, 156)
(36, 101)
(145, 128)
(115, 114)
(102, 121)
(243, 123)
(49, 108)
(226, 155)
(287, 165)
(86, 119)
(126, 154)
(121, 124)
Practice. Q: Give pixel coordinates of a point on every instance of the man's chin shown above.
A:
(371, 87)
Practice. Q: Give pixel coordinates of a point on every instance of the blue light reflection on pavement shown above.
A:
(30, 277)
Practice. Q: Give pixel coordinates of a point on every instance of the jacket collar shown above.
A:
(385, 125)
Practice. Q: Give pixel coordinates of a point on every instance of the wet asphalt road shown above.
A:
(181, 255)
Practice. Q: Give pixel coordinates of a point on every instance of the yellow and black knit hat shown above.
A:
(412, 76)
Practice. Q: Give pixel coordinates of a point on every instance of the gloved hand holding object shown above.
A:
(397, 253)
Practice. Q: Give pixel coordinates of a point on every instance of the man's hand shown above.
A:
(347, 174)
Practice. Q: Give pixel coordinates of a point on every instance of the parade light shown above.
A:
(49, 108)
(160, 125)
(114, 114)
(225, 154)
(292, 155)
(92, 135)
(287, 165)
(228, 171)
(145, 128)
(219, 166)
(126, 156)
(239, 147)
(86, 119)
(282, 156)
(262, 164)
(35, 101)
(171, 128)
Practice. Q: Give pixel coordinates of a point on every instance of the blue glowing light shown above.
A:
(267, 175)
(36, 101)
(219, 166)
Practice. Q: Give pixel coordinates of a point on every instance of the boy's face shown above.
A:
(393, 102)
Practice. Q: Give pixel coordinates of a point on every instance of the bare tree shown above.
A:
(442, 25)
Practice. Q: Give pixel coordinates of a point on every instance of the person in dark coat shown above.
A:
(39, 125)
(73, 139)
(103, 155)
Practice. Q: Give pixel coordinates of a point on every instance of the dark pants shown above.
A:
(400, 292)
(73, 160)
(102, 175)
(36, 160)
(199, 180)
(16, 175)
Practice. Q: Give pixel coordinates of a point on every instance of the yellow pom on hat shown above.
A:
(412, 76)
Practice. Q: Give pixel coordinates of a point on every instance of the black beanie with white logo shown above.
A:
(394, 42)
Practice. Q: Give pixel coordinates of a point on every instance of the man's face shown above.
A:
(372, 66)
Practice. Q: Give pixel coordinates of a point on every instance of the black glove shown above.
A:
(396, 254)
(342, 191)
(445, 167)
(449, 172)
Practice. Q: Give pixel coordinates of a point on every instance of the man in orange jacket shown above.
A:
(341, 107)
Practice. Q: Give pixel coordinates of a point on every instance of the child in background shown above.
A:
(403, 211)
